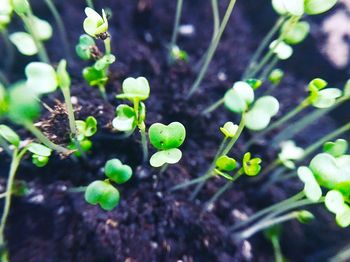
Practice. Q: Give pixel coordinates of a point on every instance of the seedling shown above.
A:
(86, 49)
(104, 193)
(290, 153)
(174, 50)
(128, 118)
(166, 139)
(39, 30)
(11, 140)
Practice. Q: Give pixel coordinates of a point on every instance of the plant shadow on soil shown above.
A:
(151, 223)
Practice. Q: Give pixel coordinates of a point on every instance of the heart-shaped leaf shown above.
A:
(330, 171)
(104, 62)
(170, 156)
(102, 193)
(282, 50)
(226, 163)
(327, 97)
(312, 189)
(135, 88)
(251, 166)
(117, 172)
(42, 28)
(239, 97)
(290, 152)
(167, 136)
(9, 135)
(125, 120)
(337, 148)
(336, 204)
(229, 129)
(41, 78)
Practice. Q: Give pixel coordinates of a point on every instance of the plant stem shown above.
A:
(213, 107)
(16, 159)
(43, 139)
(223, 189)
(60, 26)
(225, 151)
(268, 69)
(144, 144)
(177, 23)
(102, 89)
(266, 224)
(107, 44)
(163, 169)
(192, 182)
(267, 210)
(212, 49)
(263, 45)
(90, 3)
(28, 20)
(277, 249)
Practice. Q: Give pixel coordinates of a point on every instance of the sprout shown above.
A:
(85, 129)
(126, 118)
(135, 88)
(21, 7)
(305, 216)
(239, 97)
(41, 78)
(251, 166)
(166, 139)
(281, 49)
(276, 76)
(229, 129)
(336, 204)
(254, 83)
(225, 164)
(176, 54)
(260, 115)
(289, 153)
(104, 193)
(337, 148)
(85, 47)
(40, 155)
(94, 24)
(9, 135)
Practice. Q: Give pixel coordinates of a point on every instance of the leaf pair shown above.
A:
(260, 115)
(126, 120)
(102, 192)
(97, 74)
(251, 166)
(239, 97)
(166, 139)
(225, 164)
(336, 204)
(320, 96)
(289, 153)
(95, 24)
(299, 7)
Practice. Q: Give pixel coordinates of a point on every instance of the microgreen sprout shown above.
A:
(276, 76)
(289, 153)
(39, 30)
(104, 193)
(128, 118)
(96, 26)
(174, 49)
(166, 139)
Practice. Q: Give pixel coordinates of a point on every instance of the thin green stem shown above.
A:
(266, 224)
(144, 144)
(212, 49)
(79, 189)
(16, 159)
(107, 44)
(163, 169)
(277, 249)
(2, 195)
(177, 23)
(28, 20)
(268, 69)
(264, 44)
(213, 107)
(60, 25)
(342, 256)
(9, 51)
(43, 139)
(192, 182)
(267, 210)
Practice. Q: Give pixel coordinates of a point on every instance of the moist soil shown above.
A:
(151, 223)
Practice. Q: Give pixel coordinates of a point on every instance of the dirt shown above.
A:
(151, 223)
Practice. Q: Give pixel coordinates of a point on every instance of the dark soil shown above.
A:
(151, 223)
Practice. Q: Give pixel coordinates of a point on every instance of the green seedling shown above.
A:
(128, 118)
(173, 47)
(229, 129)
(276, 76)
(251, 166)
(239, 97)
(104, 193)
(96, 26)
(176, 54)
(290, 153)
(39, 30)
(166, 139)
(9, 139)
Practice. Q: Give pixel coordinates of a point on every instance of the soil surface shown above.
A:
(151, 223)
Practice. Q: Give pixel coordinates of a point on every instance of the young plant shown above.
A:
(39, 30)
(129, 118)
(96, 26)
(40, 156)
(166, 139)
(175, 52)
(103, 192)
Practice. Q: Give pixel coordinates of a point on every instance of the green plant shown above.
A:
(40, 156)
(128, 118)
(175, 52)
(166, 139)
(104, 193)
(96, 26)
(39, 30)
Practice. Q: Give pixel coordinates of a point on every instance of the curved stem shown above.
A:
(144, 144)
(212, 49)
(213, 107)
(90, 3)
(264, 44)
(192, 182)
(177, 23)
(60, 26)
